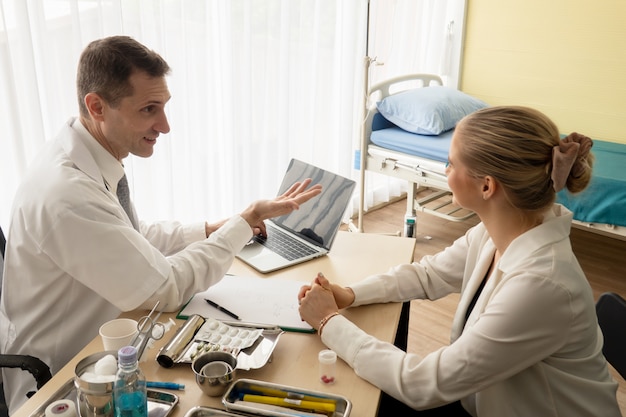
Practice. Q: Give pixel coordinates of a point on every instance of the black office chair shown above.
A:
(611, 311)
(38, 368)
(3, 243)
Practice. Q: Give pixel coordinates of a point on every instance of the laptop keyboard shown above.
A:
(284, 245)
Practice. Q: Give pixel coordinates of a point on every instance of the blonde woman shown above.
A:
(525, 339)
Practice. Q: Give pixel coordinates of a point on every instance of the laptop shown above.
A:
(306, 233)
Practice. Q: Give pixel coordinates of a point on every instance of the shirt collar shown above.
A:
(112, 170)
(555, 227)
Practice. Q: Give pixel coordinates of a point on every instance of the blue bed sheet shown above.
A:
(604, 201)
(430, 147)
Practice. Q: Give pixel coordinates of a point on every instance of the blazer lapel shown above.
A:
(470, 287)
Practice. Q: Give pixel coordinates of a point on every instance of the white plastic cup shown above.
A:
(327, 359)
(118, 333)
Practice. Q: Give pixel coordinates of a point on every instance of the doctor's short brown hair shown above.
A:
(106, 65)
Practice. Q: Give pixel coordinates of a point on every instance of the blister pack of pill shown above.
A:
(217, 336)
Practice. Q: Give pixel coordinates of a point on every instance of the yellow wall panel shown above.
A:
(565, 58)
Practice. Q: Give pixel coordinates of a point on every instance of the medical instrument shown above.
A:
(148, 328)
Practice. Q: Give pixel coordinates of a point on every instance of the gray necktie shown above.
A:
(123, 195)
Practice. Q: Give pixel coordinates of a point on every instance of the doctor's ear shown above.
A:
(95, 106)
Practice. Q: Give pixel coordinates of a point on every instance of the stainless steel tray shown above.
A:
(232, 399)
(183, 344)
(160, 403)
(209, 412)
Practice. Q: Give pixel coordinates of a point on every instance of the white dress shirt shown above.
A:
(531, 345)
(74, 261)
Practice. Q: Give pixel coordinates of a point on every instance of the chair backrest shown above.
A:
(39, 369)
(611, 311)
(3, 244)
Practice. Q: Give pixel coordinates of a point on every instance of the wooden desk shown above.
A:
(354, 256)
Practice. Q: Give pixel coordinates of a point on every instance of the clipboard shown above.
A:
(256, 301)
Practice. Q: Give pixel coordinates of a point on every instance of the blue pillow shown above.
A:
(428, 110)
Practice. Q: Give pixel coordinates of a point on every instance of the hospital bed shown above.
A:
(418, 158)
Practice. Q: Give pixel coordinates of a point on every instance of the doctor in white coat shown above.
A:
(75, 258)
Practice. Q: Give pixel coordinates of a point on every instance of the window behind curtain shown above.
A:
(254, 83)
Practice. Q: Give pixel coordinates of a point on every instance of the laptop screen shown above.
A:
(318, 219)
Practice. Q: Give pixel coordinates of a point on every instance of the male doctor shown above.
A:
(75, 258)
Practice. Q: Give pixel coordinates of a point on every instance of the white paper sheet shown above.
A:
(267, 301)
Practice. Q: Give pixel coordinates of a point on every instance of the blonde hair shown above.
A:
(514, 145)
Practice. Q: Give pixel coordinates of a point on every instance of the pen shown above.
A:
(291, 403)
(165, 385)
(222, 309)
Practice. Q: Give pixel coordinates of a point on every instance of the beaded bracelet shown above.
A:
(325, 320)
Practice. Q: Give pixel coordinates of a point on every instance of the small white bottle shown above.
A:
(129, 390)
(327, 360)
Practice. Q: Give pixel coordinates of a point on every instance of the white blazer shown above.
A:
(74, 261)
(531, 345)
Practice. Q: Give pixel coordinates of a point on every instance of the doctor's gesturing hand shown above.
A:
(285, 203)
(261, 210)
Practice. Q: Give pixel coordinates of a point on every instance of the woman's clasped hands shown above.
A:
(321, 299)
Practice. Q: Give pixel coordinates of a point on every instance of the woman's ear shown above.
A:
(489, 186)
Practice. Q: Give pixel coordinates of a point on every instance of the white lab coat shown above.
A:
(74, 261)
(531, 345)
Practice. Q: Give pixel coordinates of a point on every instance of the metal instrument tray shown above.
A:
(183, 344)
(246, 386)
(160, 403)
(200, 411)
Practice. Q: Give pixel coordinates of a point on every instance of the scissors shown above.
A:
(148, 328)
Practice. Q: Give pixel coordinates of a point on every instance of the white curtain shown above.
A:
(422, 36)
(254, 84)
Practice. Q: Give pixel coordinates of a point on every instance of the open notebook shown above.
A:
(306, 233)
